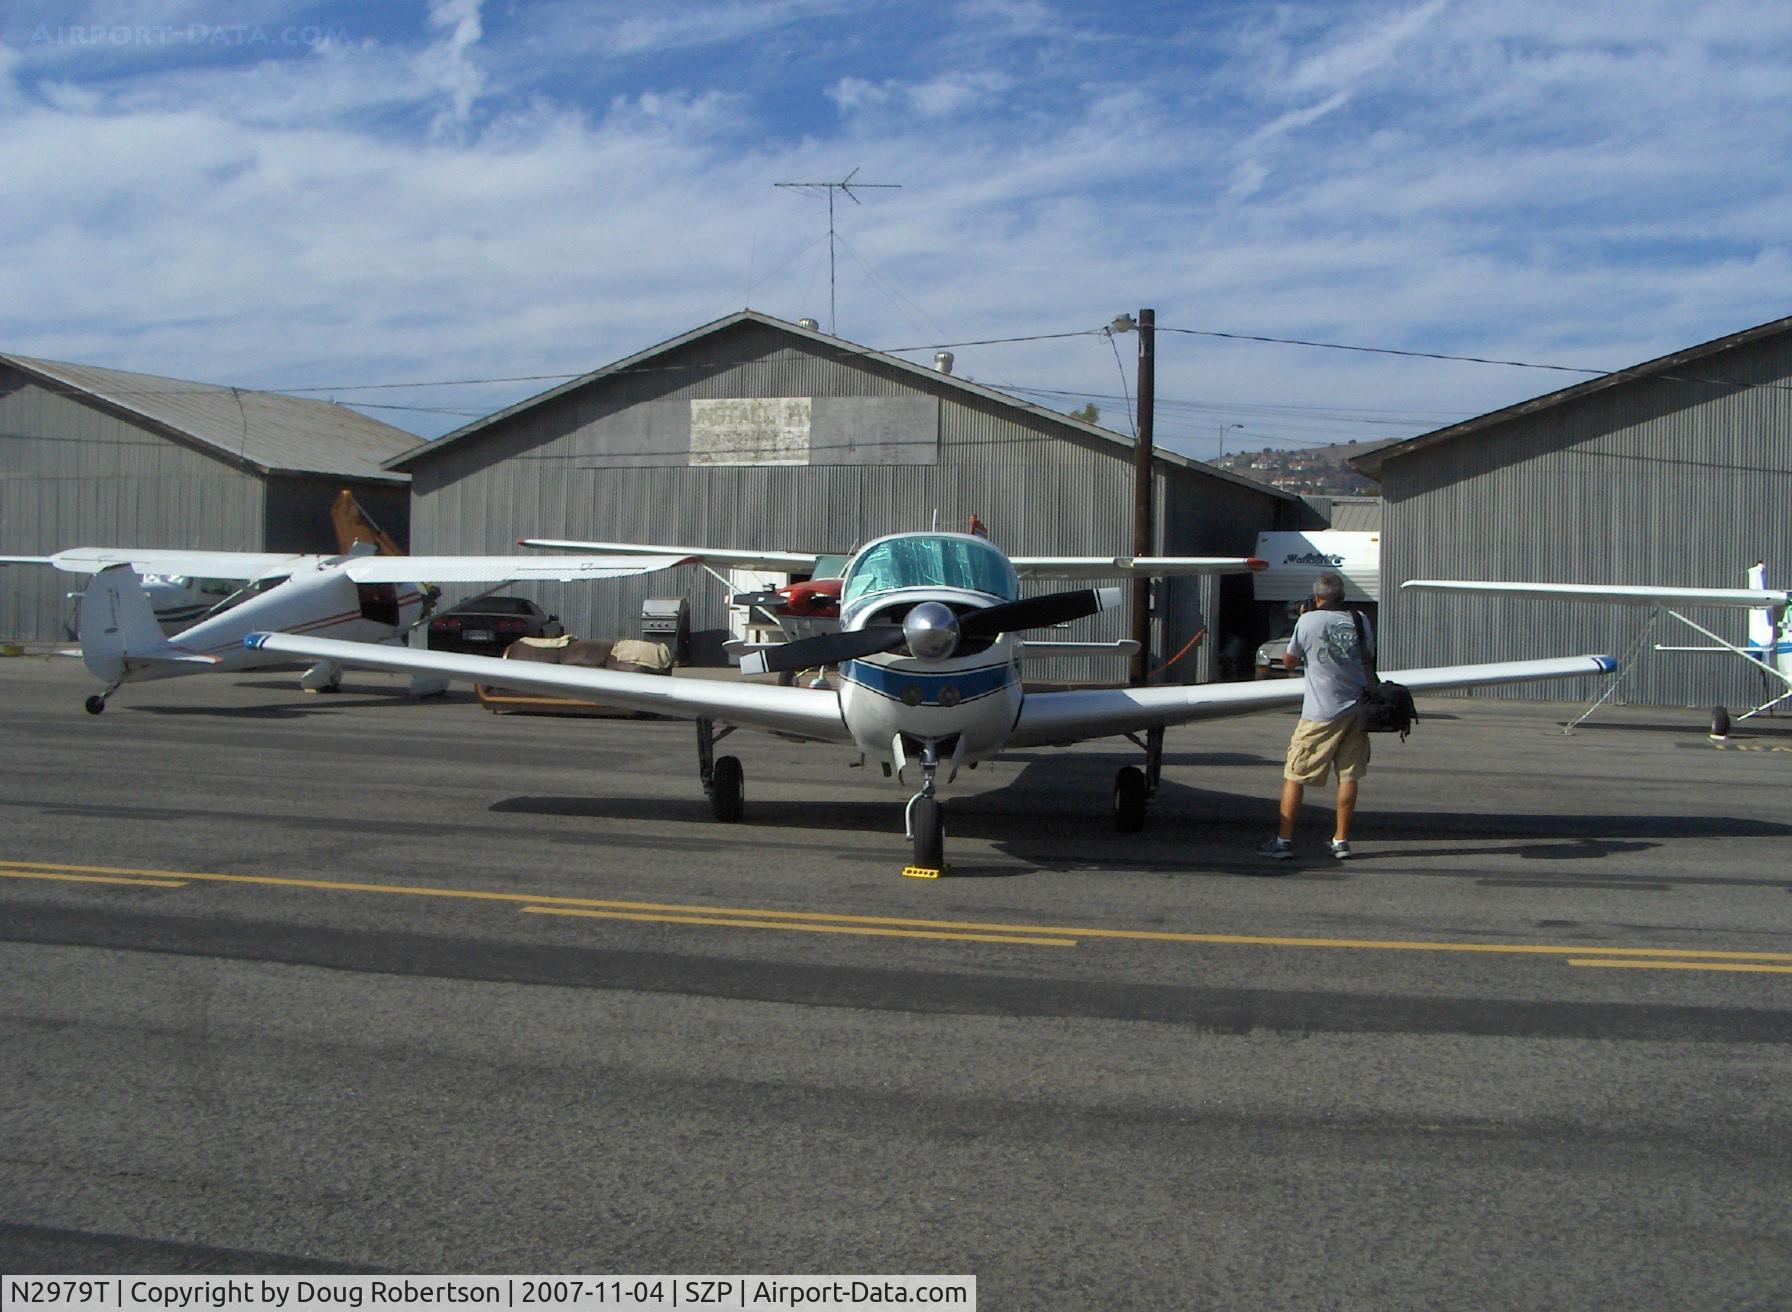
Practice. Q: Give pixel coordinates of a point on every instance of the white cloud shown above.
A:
(449, 63)
(1497, 180)
(1346, 62)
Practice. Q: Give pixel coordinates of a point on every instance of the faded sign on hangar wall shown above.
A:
(768, 430)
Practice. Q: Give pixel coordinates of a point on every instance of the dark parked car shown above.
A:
(488, 625)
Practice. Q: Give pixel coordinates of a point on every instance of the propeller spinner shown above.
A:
(931, 631)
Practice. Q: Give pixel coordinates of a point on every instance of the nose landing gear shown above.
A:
(925, 821)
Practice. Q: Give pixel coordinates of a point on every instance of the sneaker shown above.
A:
(1279, 849)
(1341, 849)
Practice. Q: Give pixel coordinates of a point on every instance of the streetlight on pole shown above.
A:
(1224, 429)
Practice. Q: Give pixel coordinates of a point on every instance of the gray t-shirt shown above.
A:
(1326, 640)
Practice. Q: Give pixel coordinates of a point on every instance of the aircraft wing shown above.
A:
(807, 712)
(503, 569)
(249, 566)
(1124, 567)
(1615, 593)
(777, 562)
(1065, 717)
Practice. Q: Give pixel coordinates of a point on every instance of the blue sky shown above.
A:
(324, 196)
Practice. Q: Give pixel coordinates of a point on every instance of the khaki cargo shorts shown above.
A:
(1320, 746)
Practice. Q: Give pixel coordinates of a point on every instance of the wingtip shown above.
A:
(253, 641)
(1606, 664)
(1255, 562)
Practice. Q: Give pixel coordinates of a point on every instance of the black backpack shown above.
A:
(1386, 707)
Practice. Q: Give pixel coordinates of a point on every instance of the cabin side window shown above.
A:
(379, 602)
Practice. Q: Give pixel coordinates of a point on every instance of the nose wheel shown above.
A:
(926, 820)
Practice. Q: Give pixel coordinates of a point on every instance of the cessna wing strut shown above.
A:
(1769, 644)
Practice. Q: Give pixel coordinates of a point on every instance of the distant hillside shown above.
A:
(1310, 471)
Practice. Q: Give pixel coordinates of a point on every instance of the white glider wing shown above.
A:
(777, 562)
(504, 569)
(807, 712)
(1123, 567)
(1616, 593)
(249, 566)
(1065, 717)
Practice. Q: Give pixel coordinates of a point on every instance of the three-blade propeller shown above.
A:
(930, 631)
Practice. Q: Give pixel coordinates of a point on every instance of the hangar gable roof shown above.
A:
(1371, 462)
(267, 431)
(933, 377)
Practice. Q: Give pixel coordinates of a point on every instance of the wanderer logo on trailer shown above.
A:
(1311, 558)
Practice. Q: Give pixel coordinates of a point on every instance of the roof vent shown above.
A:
(810, 324)
(942, 360)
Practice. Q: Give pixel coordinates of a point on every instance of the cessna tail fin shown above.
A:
(117, 623)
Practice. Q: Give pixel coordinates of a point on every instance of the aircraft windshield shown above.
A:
(938, 562)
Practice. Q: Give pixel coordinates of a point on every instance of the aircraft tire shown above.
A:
(1129, 800)
(929, 821)
(727, 789)
(1720, 722)
(95, 704)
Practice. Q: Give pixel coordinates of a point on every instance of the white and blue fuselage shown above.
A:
(976, 698)
(965, 702)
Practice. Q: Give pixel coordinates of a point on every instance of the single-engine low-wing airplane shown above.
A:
(357, 597)
(1769, 645)
(930, 675)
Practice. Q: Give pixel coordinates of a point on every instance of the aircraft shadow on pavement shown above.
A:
(294, 704)
(1054, 815)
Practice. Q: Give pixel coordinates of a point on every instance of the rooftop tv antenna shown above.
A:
(844, 186)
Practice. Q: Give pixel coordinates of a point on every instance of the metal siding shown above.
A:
(73, 475)
(571, 467)
(1660, 481)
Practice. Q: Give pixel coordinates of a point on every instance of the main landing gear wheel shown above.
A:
(1129, 800)
(928, 820)
(95, 704)
(728, 789)
(1720, 722)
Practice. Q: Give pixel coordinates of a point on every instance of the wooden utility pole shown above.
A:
(1141, 494)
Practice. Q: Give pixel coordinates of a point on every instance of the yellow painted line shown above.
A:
(93, 879)
(957, 927)
(738, 923)
(1612, 964)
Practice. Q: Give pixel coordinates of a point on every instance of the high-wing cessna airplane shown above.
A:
(358, 597)
(929, 675)
(1769, 646)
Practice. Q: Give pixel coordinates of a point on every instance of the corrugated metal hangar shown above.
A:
(755, 433)
(98, 458)
(1675, 472)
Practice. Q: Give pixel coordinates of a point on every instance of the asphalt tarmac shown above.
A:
(297, 983)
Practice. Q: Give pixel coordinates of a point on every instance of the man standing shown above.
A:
(1329, 736)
